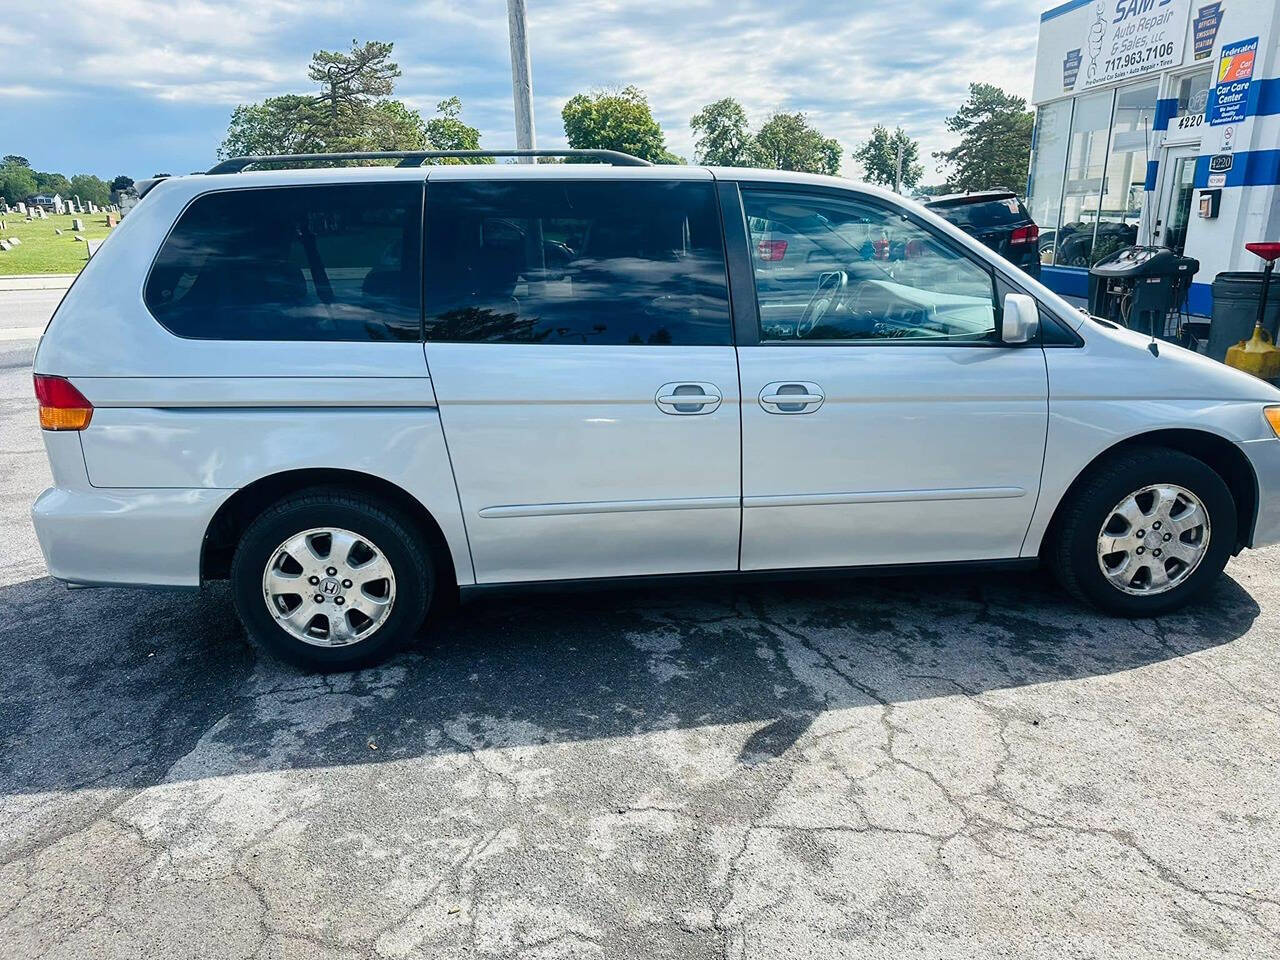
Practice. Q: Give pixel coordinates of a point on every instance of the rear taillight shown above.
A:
(771, 251)
(1025, 234)
(62, 406)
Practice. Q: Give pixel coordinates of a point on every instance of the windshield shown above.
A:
(984, 213)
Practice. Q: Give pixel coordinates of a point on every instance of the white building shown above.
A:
(1157, 121)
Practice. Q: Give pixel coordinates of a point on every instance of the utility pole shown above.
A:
(521, 76)
(897, 170)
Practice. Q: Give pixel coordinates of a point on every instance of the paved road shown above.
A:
(972, 767)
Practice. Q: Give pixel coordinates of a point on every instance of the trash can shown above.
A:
(1235, 310)
(1142, 288)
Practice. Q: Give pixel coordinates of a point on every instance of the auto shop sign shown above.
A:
(1229, 98)
(1103, 42)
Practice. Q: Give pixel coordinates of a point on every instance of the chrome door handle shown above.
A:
(791, 397)
(777, 398)
(690, 397)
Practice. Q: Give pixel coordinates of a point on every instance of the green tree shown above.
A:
(90, 189)
(723, 138)
(995, 141)
(879, 158)
(51, 183)
(446, 131)
(351, 82)
(786, 141)
(13, 160)
(122, 184)
(291, 123)
(353, 111)
(615, 120)
(17, 182)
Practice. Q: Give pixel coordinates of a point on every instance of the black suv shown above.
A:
(998, 219)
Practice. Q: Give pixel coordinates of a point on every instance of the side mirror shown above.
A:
(1021, 322)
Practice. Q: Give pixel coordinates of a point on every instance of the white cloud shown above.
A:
(847, 66)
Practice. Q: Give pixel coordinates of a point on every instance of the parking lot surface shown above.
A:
(963, 767)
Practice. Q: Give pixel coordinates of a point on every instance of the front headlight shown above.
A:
(1273, 417)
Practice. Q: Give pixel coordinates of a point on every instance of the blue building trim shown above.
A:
(1066, 281)
(1153, 168)
(1268, 104)
(1251, 168)
(1074, 282)
(1062, 8)
(1166, 110)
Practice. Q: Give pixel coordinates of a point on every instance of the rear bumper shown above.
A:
(125, 537)
(1264, 457)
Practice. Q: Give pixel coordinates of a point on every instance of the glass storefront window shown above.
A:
(1193, 92)
(1048, 163)
(1123, 187)
(1086, 163)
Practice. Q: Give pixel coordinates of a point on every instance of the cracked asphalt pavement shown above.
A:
(965, 767)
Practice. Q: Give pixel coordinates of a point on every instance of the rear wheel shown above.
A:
(331, 581)
(1147, 531)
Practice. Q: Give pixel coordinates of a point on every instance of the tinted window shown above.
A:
(575, 262)
(834, 269)
(293, 263)
(982, 214)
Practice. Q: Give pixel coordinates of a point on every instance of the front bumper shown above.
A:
(118, 537)
(1264, 457)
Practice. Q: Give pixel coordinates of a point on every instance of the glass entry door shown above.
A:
(1178, 174)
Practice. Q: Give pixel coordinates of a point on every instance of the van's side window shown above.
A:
(575, 262)
(846, 270)
(335, 262)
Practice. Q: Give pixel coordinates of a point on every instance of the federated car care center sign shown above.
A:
(1091, 44)
(1229, 98)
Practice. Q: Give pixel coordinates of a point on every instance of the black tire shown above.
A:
(1073, 546)
(393, 533)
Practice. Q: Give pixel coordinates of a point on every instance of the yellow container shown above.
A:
(1257, 355)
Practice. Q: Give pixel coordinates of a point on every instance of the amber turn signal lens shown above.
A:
(1273, 417)
(74, 418)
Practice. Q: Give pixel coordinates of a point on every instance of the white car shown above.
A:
(357, 390)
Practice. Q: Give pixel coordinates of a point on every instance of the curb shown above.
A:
(37, 281)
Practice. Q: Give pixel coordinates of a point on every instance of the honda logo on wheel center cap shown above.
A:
(330, 587)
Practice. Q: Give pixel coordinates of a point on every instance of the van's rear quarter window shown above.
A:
(336, 262)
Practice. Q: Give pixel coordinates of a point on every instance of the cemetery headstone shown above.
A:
(77, 224)
(5, 246)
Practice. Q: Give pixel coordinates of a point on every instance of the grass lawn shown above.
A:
(42, 250)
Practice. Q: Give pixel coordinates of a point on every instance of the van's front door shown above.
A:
(883, 422)
(579, 343)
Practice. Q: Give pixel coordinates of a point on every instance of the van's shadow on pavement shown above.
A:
(116, 688)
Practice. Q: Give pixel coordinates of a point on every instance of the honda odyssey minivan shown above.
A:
(357, 390)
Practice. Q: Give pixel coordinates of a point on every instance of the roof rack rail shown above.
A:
(415, 158)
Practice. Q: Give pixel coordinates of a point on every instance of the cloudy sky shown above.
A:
(140, 86)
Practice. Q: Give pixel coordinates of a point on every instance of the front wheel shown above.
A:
(1146, 532)
(331, 581)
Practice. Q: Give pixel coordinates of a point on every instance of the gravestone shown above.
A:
(4, 245)
(57, 232)
(93, 208)
(20, 207)
(77, 224)
(113, 219)
(93, 246)
(15, 241)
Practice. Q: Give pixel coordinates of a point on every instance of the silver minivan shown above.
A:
(358, 390)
